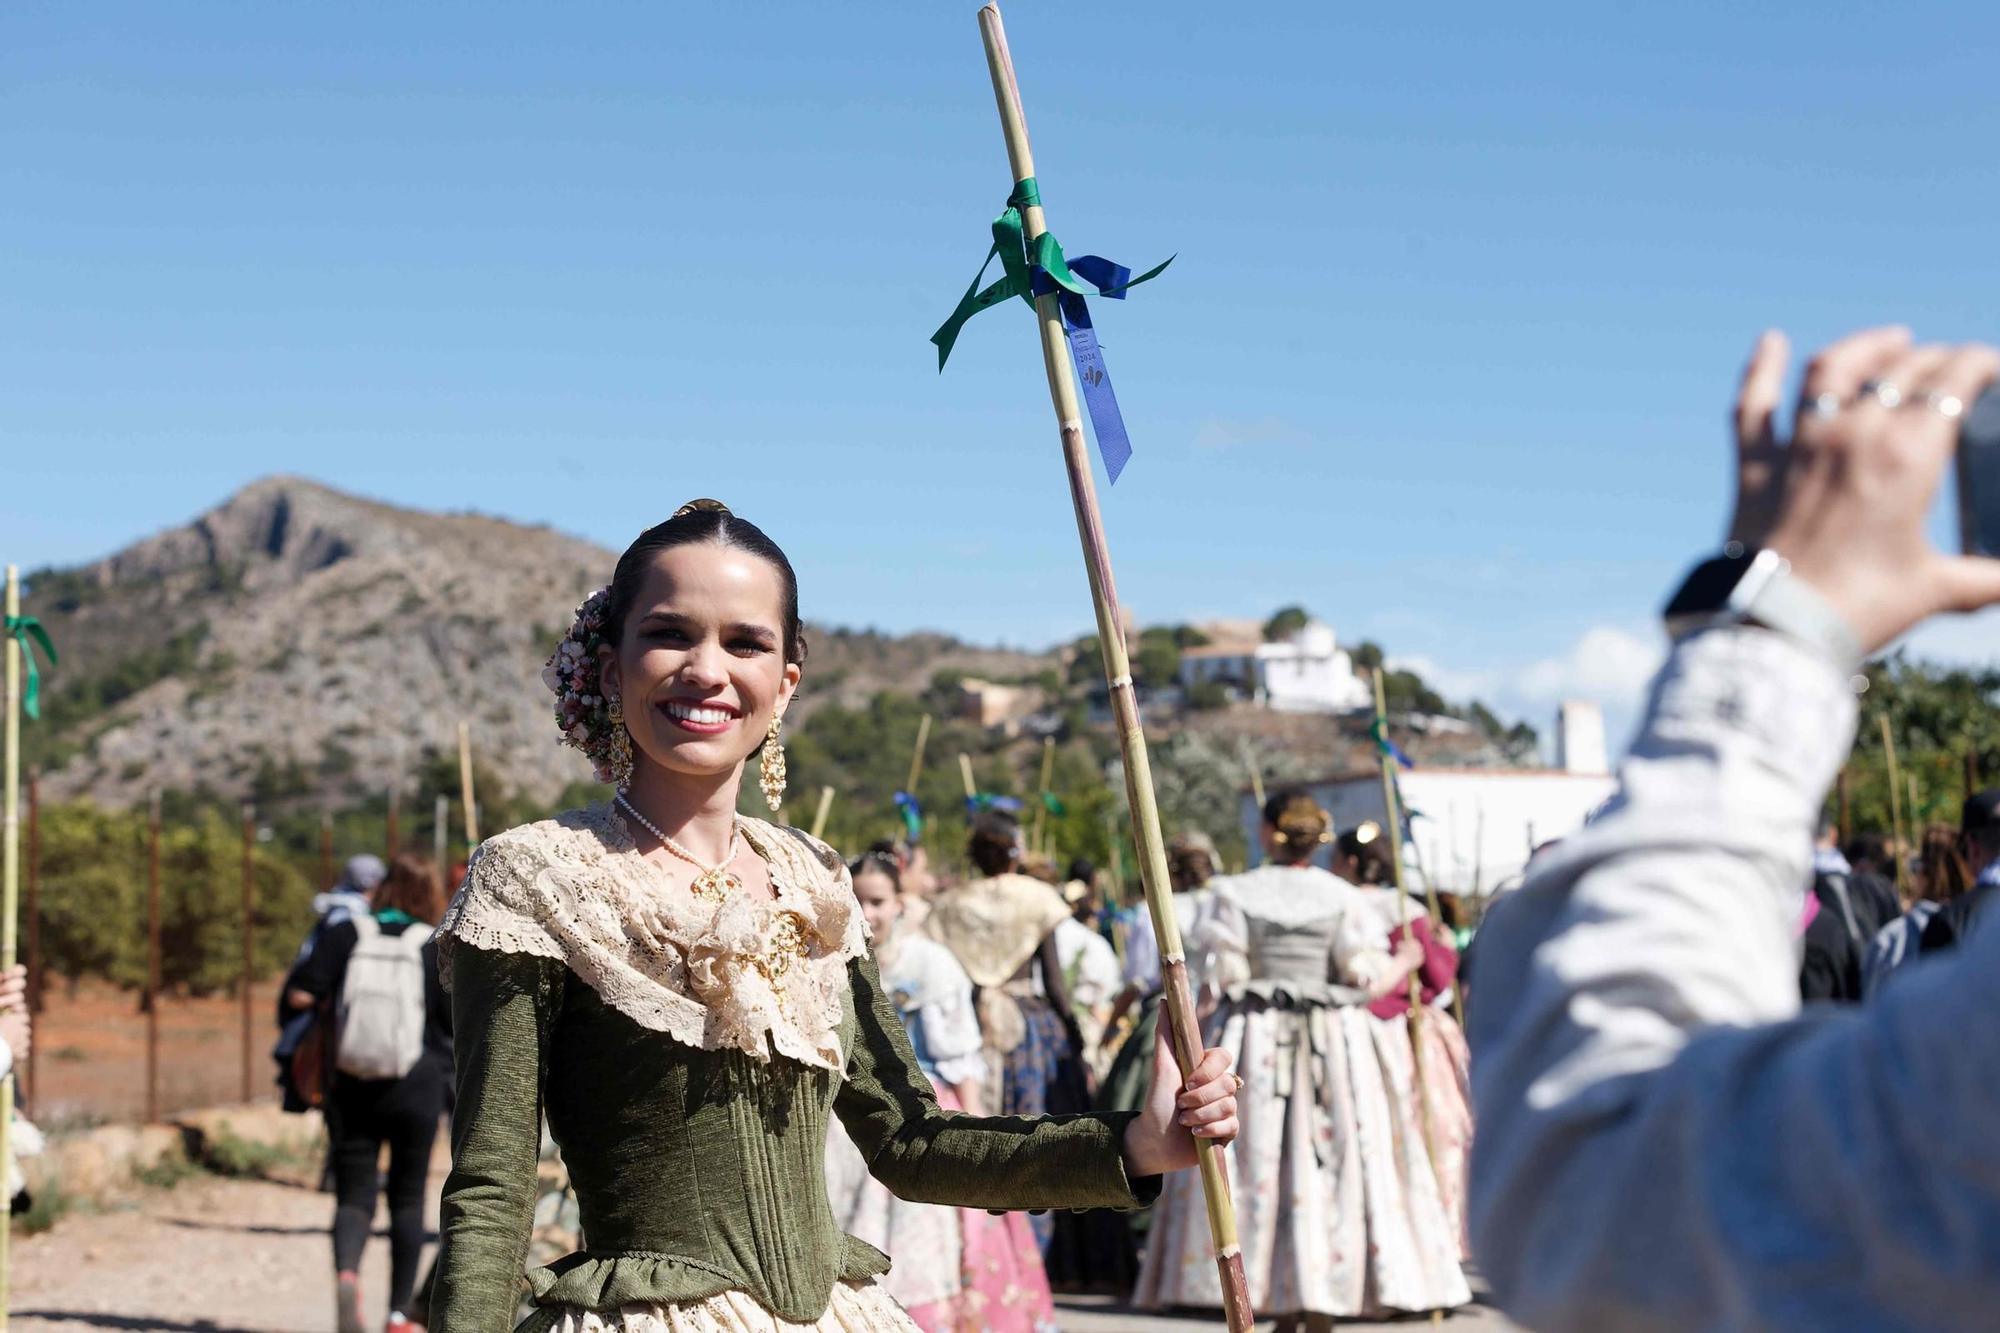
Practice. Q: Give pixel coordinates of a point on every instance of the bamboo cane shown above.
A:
(441, 840)
(917, 755)
(249, 938)
(965, 775)
(1895, 803)
(10, 880)
(1037, 841)
(326, 850)
(1255, 770)
(1178, 1000)
(819, 815)
(465, 788)
(36, 982)
(153, 963)
(1416, 996)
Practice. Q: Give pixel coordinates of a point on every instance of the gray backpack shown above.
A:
(381, 1016)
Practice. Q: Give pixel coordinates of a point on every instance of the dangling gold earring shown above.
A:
(620, 757)
(771, 769)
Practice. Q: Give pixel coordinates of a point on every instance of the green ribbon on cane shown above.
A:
(23, 629)
(1020, 260)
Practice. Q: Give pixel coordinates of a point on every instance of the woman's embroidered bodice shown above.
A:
(689, 1080)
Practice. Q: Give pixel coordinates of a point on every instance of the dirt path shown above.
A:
(251, 1256)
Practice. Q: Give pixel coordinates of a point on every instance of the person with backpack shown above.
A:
(375, 976)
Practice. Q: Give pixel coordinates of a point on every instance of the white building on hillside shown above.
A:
(1308, 673)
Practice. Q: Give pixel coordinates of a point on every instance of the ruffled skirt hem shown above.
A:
(856, 1307)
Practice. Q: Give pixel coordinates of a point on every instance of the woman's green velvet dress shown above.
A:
(699, 1170)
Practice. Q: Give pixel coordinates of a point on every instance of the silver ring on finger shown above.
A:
(1886, 392)
(1947, 405)
(1822, 406)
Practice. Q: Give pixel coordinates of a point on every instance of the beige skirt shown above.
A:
(856, 1307)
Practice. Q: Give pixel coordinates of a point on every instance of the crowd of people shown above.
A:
(1702, 1048)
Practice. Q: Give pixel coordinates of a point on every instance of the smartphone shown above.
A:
(1979, 476)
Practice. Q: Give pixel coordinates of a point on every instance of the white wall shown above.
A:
(1475, 826)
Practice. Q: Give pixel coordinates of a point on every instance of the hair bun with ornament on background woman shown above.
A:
(590, 720)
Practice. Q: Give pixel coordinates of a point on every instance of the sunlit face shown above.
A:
(880, 903)
(917, 877)
(701, 667)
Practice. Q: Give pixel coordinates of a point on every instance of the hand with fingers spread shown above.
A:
(1177, 1110)
(1844, 502)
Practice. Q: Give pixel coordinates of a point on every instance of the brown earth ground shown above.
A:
(211, 1255)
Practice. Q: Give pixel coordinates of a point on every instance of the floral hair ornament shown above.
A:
(587, 720)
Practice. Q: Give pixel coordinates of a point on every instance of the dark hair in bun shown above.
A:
(1299, 826)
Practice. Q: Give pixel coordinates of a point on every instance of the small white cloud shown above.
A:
(1227, 433)
(1609, 665)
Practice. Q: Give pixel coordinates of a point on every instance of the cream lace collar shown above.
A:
(709, 975)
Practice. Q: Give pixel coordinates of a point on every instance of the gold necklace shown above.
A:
(715, 883)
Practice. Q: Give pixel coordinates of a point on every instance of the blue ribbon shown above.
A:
(1114, 446)
(913, 816)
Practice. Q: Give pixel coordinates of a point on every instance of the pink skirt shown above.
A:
(955, 1270)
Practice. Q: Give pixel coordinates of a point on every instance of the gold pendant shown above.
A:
(787, 947)
(717, 885)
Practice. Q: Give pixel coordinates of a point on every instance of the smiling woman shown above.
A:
(687, 996)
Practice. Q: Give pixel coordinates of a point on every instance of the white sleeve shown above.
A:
(951, 1024)
(1664, 1143)
(1097, 973)
(6, 1059)
(1361, 942)
(1223, 939)
(1142, 952)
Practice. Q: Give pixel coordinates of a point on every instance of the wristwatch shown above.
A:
(1743, 586)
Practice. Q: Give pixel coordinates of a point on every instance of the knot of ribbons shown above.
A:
(913, 816)
(28, 631)
(1387, 748)
(1037, 267)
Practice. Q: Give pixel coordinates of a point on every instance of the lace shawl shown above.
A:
(575, 889)
(995, 925)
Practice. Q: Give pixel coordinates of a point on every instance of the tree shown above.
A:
(1157, 660)
(94, 882)
(1406, 692)
(1207, 695)
(1285, 623)
(1940, 716)
(1367, 655)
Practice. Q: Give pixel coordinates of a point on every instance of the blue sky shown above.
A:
(1461, 292)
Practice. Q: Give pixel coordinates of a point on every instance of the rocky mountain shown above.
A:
(299, 643)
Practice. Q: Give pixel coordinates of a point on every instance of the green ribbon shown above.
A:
(1020, 259)
(23, 629)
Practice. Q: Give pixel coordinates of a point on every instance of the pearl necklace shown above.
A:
(715, 883)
